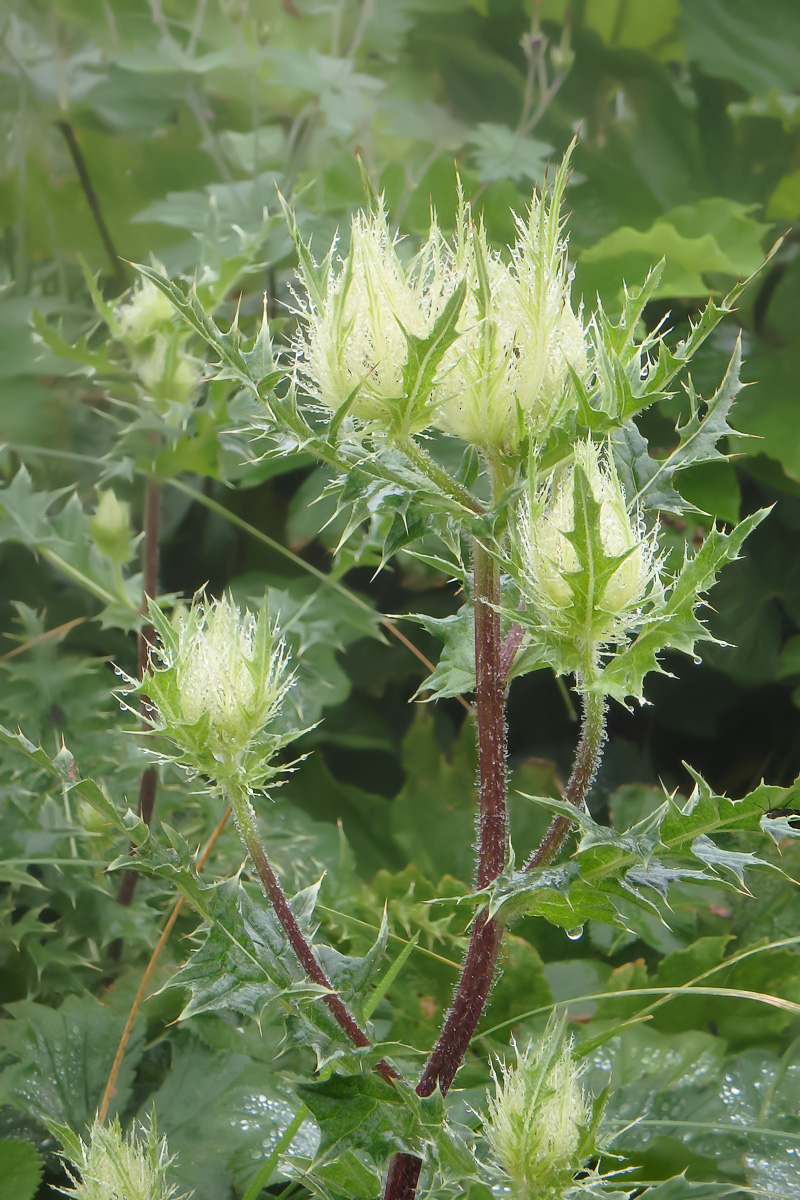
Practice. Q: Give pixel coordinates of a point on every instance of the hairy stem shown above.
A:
(245, 822)
(484, 944)
(149, 780)
(437, 475)
(587, 760)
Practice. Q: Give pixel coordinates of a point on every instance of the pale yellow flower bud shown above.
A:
(168, 375)
(111, 527)
(112, 1166)
(539, 1121)
(569, 537)
(144, 313)
(217, 685)
(520, 338)
(352, 344)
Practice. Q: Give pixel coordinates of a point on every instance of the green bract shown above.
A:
(216, 684)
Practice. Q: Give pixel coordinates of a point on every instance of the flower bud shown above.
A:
(539, 1124)
(218, 685)
(111, 527)
(520, 338)
(112, 1166)
(585, 567)
(146, 312)
(167, 373)
(358, 324)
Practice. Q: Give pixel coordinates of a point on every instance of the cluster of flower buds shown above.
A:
(456, 338)
(216, 685)
(111, 1165)
(585, 567)
(539, 1126)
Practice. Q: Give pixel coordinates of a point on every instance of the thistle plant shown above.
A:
(213, 692)
(551, 527)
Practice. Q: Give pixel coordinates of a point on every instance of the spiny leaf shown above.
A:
(673, 623)
(612, 871)
(649, 481)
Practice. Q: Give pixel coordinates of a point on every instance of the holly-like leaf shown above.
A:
(647, 481)
(611, 872)
(673, 622)
(246, 963)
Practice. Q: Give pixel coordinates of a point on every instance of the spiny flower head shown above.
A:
(585, 567)
(519, 335)
(217, 685)
(113, 1166)
(540, 1126)
(363, 319)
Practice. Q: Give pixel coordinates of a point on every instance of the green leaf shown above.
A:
(612, 872)
(500, 153)
(63, 1059)
(714, 236)
(647, 481)
(733, 40)
(20, 1171)
(432, 818)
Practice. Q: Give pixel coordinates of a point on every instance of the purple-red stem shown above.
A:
(277, 898)
(484, 944)
(587, 760)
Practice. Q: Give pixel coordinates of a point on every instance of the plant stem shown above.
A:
(587, 760)
(437, 475)
(149, 780)
(246, 824)
(68, 134)
(484, 944)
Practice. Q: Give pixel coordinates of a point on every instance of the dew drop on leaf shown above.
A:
(575, 934)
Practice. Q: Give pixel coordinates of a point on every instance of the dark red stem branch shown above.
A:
(484, 944)
(296, 938)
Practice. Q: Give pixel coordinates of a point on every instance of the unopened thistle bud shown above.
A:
(217, 686)
(169, 376)
(520, 338)
(111, 527)
(540, 1127)
(586, 568)
(146, 311)
(112, 1166)
(360, 324)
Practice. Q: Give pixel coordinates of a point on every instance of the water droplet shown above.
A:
(574, 934)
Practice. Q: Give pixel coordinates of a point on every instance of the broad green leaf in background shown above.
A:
(20, 1170)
